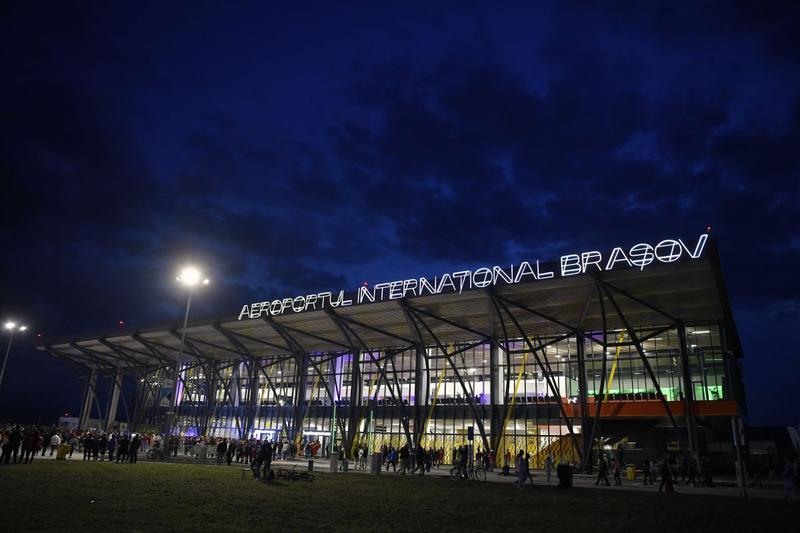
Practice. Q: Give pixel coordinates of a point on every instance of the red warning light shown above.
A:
(708, 228)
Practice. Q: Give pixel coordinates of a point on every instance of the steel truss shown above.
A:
(232, 385)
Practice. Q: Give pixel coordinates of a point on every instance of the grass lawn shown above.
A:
(70, 496)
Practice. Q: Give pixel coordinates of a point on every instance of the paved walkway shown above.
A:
(726, 486)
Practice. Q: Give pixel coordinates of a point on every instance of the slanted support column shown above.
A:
(111, 415)
(496, 395)
(422, 382)
(583, 396)
(299, 398)
(356, 391)
(688, 392)
(88, 399)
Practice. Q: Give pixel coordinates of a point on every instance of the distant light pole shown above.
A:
(190, 277)
(13, 328)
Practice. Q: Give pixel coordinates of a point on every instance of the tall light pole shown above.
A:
(12, 327)
(190, 277)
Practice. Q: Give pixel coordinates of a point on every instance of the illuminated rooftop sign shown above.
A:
(637, 256)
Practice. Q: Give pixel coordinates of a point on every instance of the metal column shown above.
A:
(356, 393)
(88, 399)
(688, 392)
(111, 415)
(422, 381)
(583, 397)
(496, 395)
(299, 400)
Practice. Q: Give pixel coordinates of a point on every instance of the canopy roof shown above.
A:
(689, 290)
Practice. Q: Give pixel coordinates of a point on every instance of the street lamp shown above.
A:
(12, 327)
(190, 277)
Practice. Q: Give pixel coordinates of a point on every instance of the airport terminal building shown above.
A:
(633, 346)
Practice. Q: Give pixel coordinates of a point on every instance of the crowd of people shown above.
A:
(22, 444)
(405, 459)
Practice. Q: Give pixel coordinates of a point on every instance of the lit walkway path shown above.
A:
(726, 488)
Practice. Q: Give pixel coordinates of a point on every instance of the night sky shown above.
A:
(305, 147)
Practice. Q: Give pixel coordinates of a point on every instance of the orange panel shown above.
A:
(652, 408)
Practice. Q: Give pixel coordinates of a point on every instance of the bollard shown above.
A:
(311, 465)
(334, 462)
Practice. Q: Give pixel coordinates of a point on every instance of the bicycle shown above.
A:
(472, 473)
(160, 452)
(294, 475)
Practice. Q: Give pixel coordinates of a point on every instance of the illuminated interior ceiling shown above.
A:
(686, 290)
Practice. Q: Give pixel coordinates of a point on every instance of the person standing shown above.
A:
(790, 473)
(691, 472)
(548, 467)
(133, 448)
(122, 448)
(522, 471)
(15, 440)
(602, 472)
(267, 460)
(229, 452)
(111, 446)
(222, 448)
(648, 476)
(86, 440)
(31, 445)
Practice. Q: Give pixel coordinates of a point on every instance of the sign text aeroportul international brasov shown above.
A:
(639, 255)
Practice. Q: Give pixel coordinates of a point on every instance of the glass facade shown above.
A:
(435, 395)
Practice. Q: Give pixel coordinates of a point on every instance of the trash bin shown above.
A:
(564, 473)
(311, 465)
(62, 452)
(631, 472)
(344, 464)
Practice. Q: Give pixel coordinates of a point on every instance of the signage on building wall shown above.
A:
(637, 256)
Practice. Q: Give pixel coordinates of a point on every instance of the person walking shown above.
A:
(420, 459)
(55, 442)
(73, 444)
(666, 477)
(527, 467)
(617, 472)
(602, 472)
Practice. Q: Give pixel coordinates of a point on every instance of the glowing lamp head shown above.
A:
(10, 325)
(191, 277)
(23, 328)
